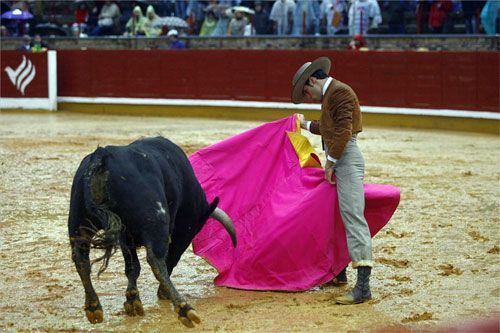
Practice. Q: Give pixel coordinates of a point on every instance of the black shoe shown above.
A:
(361, 292)
(340, 279)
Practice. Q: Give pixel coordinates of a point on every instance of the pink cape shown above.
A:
(287, 219)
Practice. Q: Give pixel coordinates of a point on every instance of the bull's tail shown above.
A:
(97, 199)
(226, 222)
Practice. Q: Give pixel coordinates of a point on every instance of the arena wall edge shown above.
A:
(467, 124)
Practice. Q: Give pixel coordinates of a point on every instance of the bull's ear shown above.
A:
(212, 206)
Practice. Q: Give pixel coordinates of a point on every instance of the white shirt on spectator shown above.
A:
(109, 13)
(360, 13)
(281, 13)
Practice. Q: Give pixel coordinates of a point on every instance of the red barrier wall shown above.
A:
(449, 80)
(37, 87)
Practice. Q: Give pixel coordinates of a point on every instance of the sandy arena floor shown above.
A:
(437, 259)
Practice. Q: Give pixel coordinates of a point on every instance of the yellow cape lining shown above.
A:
(308, 157)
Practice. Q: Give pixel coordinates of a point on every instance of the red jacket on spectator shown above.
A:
(439, 13)
(81, 15)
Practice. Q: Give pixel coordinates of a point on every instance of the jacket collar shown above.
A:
(326, 85)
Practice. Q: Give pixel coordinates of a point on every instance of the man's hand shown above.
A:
(329, 172)
(302, 119)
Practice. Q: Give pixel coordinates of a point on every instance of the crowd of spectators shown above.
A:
(245, 18)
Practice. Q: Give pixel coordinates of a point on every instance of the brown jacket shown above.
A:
(340, 118)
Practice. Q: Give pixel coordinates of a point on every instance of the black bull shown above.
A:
(143, 194)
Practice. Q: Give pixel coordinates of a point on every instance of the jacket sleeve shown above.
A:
(342, 131)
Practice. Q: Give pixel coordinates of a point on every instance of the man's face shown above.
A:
(312, 90)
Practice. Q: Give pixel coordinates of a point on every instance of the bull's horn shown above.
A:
(225, 220)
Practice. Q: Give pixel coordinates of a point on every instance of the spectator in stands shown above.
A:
(153, 23)
(440, 12)
(181, 8)
(135, 25)
(175, 43)
(81, 13)
(395, 11)
(176, 8)
(18, 28)
(222, 18)
(261, 19)
(282, 16)
(306, 17)
(332, 11)
(26, 44)
(195, 14)
(94, 11)
(22, 5)
(472, 10)
(363, 15)
(107, 19)
(209, 24)
(127, 12)
(377, 16)
(422, 16)
(38, 45)
(237, 24)
(165, 7)
(489, 17)
(455, 13)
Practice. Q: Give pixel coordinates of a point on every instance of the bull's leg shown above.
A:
(133, 304)
(162, 293)
(80, 255)
(186, 313)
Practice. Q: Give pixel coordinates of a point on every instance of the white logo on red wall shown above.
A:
(22, 76)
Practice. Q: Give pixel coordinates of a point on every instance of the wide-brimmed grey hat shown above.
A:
(304, 73)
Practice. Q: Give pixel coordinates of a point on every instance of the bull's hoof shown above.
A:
(187, 315)
(186, 322)
(94, 313)
(133, 305)
(162, 294)
(134, 308)
(193, 316)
